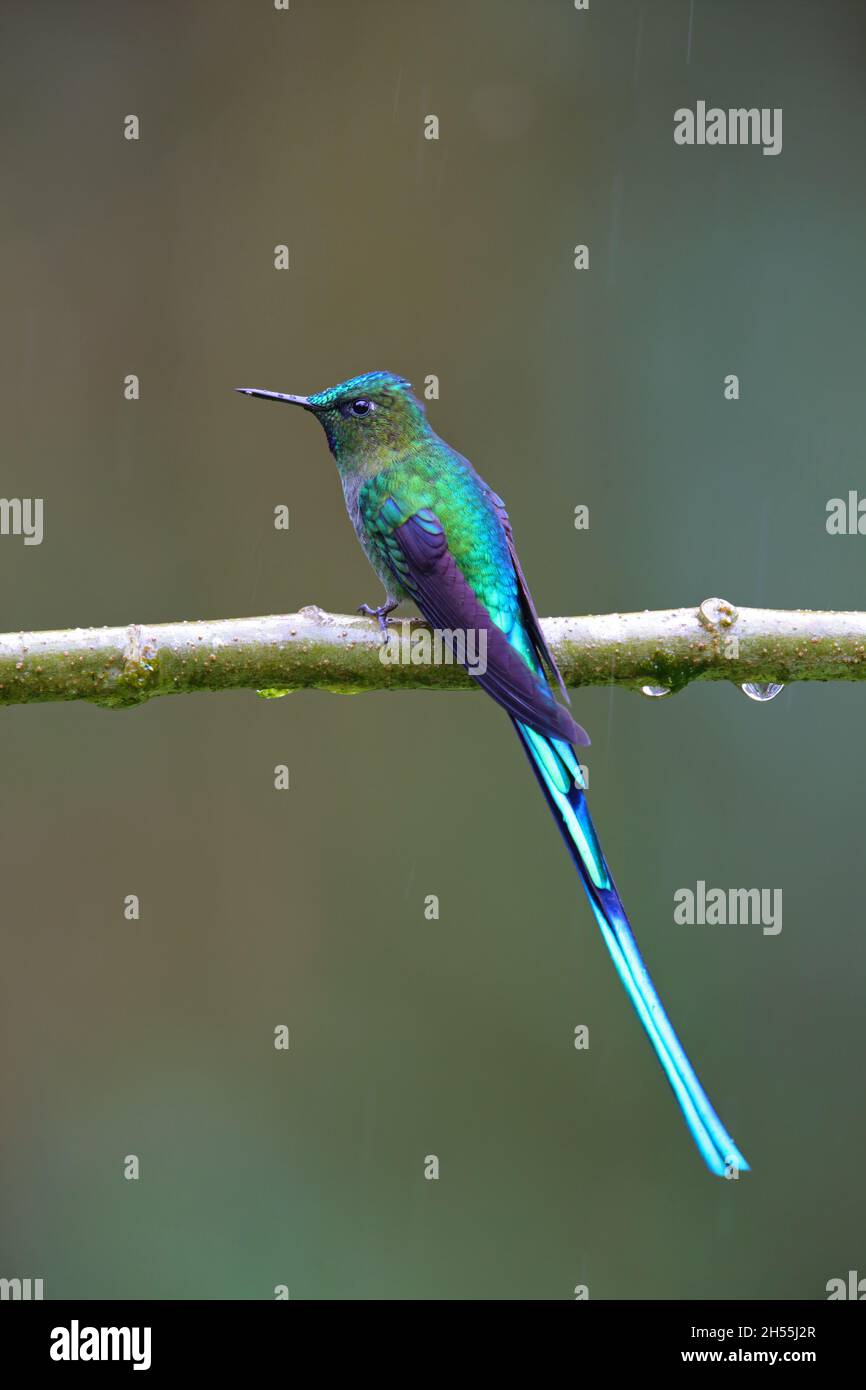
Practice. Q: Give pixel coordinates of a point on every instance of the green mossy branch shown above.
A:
(121, 666)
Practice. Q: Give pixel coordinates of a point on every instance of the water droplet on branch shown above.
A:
(761, 691)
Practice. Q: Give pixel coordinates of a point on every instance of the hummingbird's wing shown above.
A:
(417, 551)
(530, 614)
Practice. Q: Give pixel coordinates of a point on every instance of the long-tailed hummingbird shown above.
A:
(437, 534)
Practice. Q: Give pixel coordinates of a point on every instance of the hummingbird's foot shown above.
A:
(381, 613)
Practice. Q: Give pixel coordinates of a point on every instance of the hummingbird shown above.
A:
(436, 534)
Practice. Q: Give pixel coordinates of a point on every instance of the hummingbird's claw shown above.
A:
(381, 613)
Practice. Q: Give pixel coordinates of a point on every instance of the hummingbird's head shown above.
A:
(367, 419)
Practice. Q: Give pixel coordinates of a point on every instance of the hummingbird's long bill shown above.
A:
(437, 534)
(273, 396)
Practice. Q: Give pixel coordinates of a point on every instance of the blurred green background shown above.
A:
(604, 387)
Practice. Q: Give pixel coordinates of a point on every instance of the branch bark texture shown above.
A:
(122, 666)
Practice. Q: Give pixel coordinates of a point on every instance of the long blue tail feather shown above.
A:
(558, 772)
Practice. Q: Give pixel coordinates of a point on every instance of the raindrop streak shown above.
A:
(761, 692)
(656, 690)
(637, 47)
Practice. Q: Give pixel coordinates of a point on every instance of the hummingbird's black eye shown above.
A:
(362, 406)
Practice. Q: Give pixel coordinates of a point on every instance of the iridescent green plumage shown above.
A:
(395, 454)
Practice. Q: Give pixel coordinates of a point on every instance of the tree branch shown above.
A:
(121, 666)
